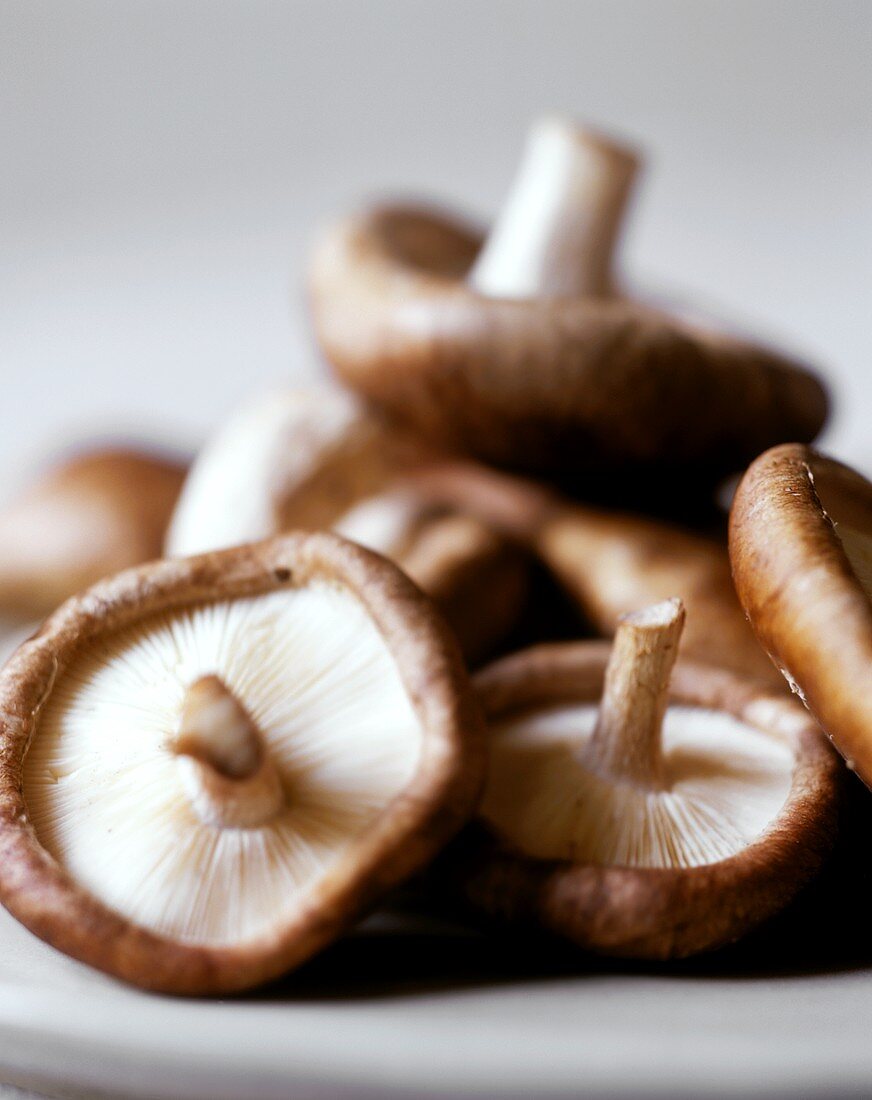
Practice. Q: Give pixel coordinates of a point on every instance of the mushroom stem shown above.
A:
(556, 234)
(231, 780)
(626, 743)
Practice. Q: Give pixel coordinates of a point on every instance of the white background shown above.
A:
(163, 166)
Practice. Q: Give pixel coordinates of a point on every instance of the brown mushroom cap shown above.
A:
(441, 792)
(611, 563)
(801, 548)
(573, 388)
(91, 515)
(654, 912)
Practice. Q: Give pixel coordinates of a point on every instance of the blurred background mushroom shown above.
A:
(320, 458)
(98, 510)
(610, 563)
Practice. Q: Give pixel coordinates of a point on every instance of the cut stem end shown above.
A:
(627, 741)
(230, 778)
(556, 234)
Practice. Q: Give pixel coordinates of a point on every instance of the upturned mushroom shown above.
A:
(519, 351)
(801, 548)
(636, 818)
(320, 459)
(211, 767)
(611, 563)
(88, 516)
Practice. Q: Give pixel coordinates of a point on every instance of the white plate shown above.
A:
(409, 1009)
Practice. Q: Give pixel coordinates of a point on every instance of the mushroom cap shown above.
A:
(364, 706)
(574, 388)
(290, 459)
(672, 902)
(88, 516)
(801, 549)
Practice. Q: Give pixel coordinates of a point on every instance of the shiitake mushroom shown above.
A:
(211, 767)
(90, 514)
(637, 816)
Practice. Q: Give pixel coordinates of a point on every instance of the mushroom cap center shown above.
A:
(230, 776)
(111, 798)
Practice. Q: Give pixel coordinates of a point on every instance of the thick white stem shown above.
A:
(627, 742)
(230, 779)
(557, 232)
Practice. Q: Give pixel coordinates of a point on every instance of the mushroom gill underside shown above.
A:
(110, 794)
(723, 782)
